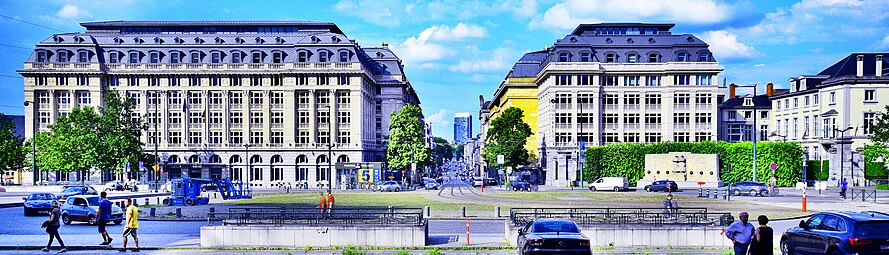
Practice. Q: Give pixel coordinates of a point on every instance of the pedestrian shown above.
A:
(104, 215)
(762, 242)
(52, 227)
(843, 186)
(131, 226)
(329, 204)
(741, 233)
(322, 205)
(669, 206)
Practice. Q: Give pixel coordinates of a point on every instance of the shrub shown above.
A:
(352, 251)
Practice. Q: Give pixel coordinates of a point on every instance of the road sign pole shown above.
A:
(804, 198)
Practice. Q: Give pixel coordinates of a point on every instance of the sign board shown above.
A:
(366, 175)
(773, 166)
(821, 185)
(582, 145)
(413, 167)
(156, 167)
(501, 159)
(127, 167)
(141, 166)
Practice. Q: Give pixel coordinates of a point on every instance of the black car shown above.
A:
(491, 182)
(662, 185)
(552, 236)
(208, 187)
(522, 185)
(836, 233)
(750, 187)
(38, 203)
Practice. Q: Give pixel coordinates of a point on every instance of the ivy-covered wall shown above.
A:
(736, 160)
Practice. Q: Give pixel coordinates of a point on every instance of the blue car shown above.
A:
(38, 203)
(84, 208)
(837, 233)
(76, 190)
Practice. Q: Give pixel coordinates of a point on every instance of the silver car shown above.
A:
(390, 186)
(84, 208)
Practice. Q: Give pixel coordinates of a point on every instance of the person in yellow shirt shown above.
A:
(131, 226)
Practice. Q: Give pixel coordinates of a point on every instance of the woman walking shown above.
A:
(53, 227)
(762, 241)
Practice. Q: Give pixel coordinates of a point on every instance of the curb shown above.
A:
(184, 220)
(72, 248)
(793, 218)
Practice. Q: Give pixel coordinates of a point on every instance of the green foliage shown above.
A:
(882, 187)
(72, 144)
(817, 171)
(433, 252)
(403, 253)
(120, 133)
(878, 152)
(442, 150)
(736, 161)
(507, 136)
(458, 151)
(12, 153)
(352, 251)
(406, 139)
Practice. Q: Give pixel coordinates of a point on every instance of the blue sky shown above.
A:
(455, 51)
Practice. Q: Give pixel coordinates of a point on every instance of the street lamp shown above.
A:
(33, 140)
(755, 126)
(247, 158)
(329, 148)
(165, 158)
(840, 150)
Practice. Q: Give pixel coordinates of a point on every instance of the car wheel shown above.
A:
(786, 247)
(763, 193)
(65, 219)
(27, 212)
(753, 193)
(666, 189)
(528, 189)
(118, 222)
(834, 252)
(203, 189)
(616, 189)
(647, 189)
(592, 188)
(189, 202)
(91, 220)
(167, 202)
(736, 192)
(107, 189)
(515, 189)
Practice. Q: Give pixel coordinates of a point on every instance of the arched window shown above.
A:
(586, 56)
(134, 57)
(342, 159)
(83, 56)
(277, 57)
(154, 57)
(255, 159)
(62, 56)
(323, 55)
(175, 57)
(236, 169)
(257, 57)
(173, 159)
(194, 159)
(277, 170)
(195, 57)
(345, 56)
(321, 159)
(564, 57)
(214, 159)
(302, 56)
(683, 57)
(236, 159)
(237, 57)
(215, 57)
(302, 159)
(632, 58)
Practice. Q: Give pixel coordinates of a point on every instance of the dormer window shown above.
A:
(380, 55)
(239, 40)
(703, 57)
(653, 58)
(335, 39)
(83, 56)
(138, 40)
(236, 57)
(344, 56)
(610, 58)
(134, 57)
(41, 56)
(564, 57)
(585, 57)
(219, 40)
(690, 39)
(257, 57)
(117, 40)
(198, 40)
(748, 101)
(651, 40)
(155, 57)
(573, 39)
(78, 39)
(63, 56)
(178, 40)
(195, 57)
(277, 57)
(302, 56)
(682, 57)
(158, 40)
(113, 57)
(279, 40)
(630, 40)
(259, 40)
(322, 56)
(58, 39)
(633, 58)
(315, 39)
(608, 40)
(215, 57)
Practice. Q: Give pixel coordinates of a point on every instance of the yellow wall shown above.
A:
(520, 93)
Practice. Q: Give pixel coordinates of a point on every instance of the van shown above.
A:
(610, 183)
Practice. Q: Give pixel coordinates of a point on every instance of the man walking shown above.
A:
(132, 225)
(843, 186)
(329, 204)
(669, 206)
(103, 218)
(322, 205)
(741, 233)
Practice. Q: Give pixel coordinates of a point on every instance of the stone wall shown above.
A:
(314, 236)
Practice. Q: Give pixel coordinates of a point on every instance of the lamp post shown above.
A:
(840, 150)
(247, 159)
(755, 126)
(329, 149)
(33, 140)
(164, 157)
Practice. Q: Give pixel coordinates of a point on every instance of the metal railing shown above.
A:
(864, 195)
(621, 216)
(313, 216)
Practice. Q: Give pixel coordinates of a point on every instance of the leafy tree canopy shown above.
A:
(507, 136)
(406, 143)
(12, 153)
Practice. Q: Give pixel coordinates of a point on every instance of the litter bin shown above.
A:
(726, 219)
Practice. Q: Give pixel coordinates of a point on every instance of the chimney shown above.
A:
(385, 45)
(860, 70)
(879, 71)
(731, 90)
(770, 89)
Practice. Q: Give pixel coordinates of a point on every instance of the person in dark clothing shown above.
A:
(104, 216)
(53, 228)
(762, 241)
(843, 186)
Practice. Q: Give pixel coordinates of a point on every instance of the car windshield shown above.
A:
(93, 201)
(555, 226)
(73, 189)
(40, 197)
(872, 228)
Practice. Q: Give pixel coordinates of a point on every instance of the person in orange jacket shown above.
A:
(322, 205)
(329, 203)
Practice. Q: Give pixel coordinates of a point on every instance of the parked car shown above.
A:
(76, 190)
(662, 185)
(212, 187)
(114, 186)
(610, 183)
(84, 208)
(552, 236)
(389, 186)
(431, 186)
(477, 182)
(749, 187)
(522, 185)
(2, 189)
(838, 233)
(38, 202)
(491, 182)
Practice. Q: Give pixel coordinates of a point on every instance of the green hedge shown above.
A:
(813, 173)
(628, 159)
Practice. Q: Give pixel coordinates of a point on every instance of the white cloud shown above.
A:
(439, 118)
(568, 14)
(460, 31)
(498, 60)
(884, 44)
(759, 65)
(378, 12)
(726, 47)
(526, 8)
(821, 21)
(427, 46)
(72, 12)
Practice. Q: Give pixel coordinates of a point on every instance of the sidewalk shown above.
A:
(91, 241)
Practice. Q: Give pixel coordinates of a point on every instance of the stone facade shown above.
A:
(685, 168)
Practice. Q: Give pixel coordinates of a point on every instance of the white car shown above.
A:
(389, 186)
(610, 183)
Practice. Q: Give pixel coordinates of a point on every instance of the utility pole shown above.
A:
(840, 151)
(33, 140)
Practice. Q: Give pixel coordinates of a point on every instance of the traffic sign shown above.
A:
(773, 166)
(127, 166)
(501, 159)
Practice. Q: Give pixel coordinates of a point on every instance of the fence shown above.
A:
(864, 195)
(621, 216)
(313, 216)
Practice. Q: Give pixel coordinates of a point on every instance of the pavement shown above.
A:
(368, 252)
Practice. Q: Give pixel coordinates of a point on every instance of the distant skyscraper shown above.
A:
(462, 127)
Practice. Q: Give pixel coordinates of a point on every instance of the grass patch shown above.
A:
(399, 199)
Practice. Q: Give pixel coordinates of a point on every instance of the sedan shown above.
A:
(662, 185)
(389, 186)
(837, 233)
(749, 187)
(552, 236)
(491, 182)
(76, 190)
(38, 202)
(84, 208)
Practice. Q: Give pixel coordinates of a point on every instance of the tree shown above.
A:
(878, 152)
(12, 153)
(72, 144)
(507, 136)
(406, 144)
(120, 133)
(442, 150)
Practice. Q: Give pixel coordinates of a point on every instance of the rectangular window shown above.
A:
(303, 56)
(256, 118)
(653, 81)
(870, 95)
(174, 81)
(704, 80)
(702, 136)
(236, 118)
(631, 80)
(796, 103)
(563, 80)
(215, 58)
(833, 97)
(84, 97)
(134, 57)
(236, 57)
(63, 56)
(257, 57)
(174, 57)
(216, 137)
(235, 138)
(683, 57)
(608, 138)
(342, 79)
(195, 57)
(815, 98)
(795, 127)
(82, 80)
(134, 81)
(584, 79)
(681, 137)
(344, 138)
(83, 57)
(174, 137)
(344, 118)
(703, 57)
(870, 119)
(256, 138)
(609, 80)
(564, 57)
(277, 80)
(344, 56)
(652, 137)
(194, 138)
(41, 56)
(704, 118)
(278, 57)
(322, 56)
(610, 58)
(277, 138)
(155, 57)
(682, 79)
(323, 79)
(302, 79)
(585, 57)
(632, 58)
(113, 58)
(652, 58)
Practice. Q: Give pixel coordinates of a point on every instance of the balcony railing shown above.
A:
(631, 107)
(652, 126)
(323, 125)
(277, 125)
(610, 126)
(345, 125)
(235, 125)
(48, 66)
(703, 107)
(302, 106)
(611, 107)
(175, 125)
(703, 126)
(255, 125)
(652, 107)
(255, 106)
(682, 126)
(215, 125)
(631, 126)
(681, 107)
(215, 106)
(343, 106)
(195, 125)
(303, 125)
(351, 66)
(235, 106)
(563, 125)
(277, 106)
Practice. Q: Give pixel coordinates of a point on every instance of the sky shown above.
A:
(454, 51)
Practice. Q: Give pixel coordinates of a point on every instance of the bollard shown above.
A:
(467, 232)
(497, 211)
(708, 193)
(151, 212)
(804, 199)
(178, 213)
(157, 200)
(146, 201)
(715, 194)
(463, 211)
(428, 211)
(724, 195)
(700, 192)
